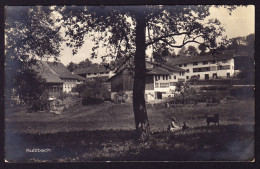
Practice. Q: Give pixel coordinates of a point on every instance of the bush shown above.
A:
(194, 98)
(31, 89)
(211, 96)
(36, 104)
(91, 101)
(214, 88)
(64, 95)
(92, 92)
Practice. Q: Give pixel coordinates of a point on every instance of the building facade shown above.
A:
(96, 71)
(160, 82)
(207, 67)
(58, 78)
(92, 72)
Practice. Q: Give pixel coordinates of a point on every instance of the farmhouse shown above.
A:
(160, 82)
(207, 67)
(58, 77)
(94, 72)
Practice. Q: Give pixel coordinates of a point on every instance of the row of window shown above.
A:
(226, 67)
(166, 77)
(69, 86)
(201, 69)
(165, 85)
(214, 75)
(180, 65)
(69, 80)
(204, 63)
(212, 68)
(162, 85)
(55, 88)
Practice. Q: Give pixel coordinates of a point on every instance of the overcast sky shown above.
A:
(240, 23)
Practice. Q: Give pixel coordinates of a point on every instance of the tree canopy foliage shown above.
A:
(30, 33)
(113, 27)
(202, 49)
(85, 63)
(192, 51)
(245, 48)
(163, 54)
(31, 90)
(242, 44)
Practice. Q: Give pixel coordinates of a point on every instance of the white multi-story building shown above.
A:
(207, 67)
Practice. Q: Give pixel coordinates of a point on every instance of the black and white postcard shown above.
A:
(129, 83)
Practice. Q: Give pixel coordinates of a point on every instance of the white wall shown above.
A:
(92, 75)
(150, 95)
(69, 84)
(170, 90)
(220, 73)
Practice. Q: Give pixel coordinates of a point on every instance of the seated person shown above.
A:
(173, 126)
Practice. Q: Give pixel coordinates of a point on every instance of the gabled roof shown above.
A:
(60, 69)
(200, 58)
(170, 68)
(54, 72)
(157, 71)
(155, 68)
(46, 73)
(79, 77)
(92, 69)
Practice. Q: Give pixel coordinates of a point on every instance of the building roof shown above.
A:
(155, 68)
(61, 70)
(92, 69)
(79, 77)
(169, 68)
(200, 58)
(54, 72)
(157, 71)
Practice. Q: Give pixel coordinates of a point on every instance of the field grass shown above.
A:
(106, 132)
(224, 143)
(108, 115)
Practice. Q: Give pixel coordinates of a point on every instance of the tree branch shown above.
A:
(165, 36)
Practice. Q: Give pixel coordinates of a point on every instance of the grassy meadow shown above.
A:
(106, 132)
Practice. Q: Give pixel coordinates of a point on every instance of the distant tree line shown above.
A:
(237, 44)
(87, 63)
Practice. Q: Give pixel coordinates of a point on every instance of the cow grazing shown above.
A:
(214, 119)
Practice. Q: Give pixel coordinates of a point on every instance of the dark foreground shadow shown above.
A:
(216, 143)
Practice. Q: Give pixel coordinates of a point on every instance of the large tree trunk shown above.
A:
(141, 118)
